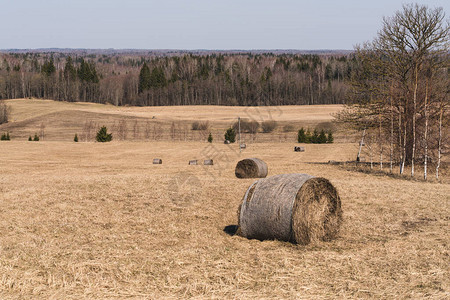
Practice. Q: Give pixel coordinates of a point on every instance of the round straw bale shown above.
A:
(299, 208)
(208, 162)
(157, 161)
(251, 168)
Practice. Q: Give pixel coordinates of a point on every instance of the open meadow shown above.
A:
(59, 121)
(99, 220)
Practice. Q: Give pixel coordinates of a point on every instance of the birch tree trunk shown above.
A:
(380, 141)
(391, 141)
(360, 145)
(414, 118)
(441, 115)
(425, 136)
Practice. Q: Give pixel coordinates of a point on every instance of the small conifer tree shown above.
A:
(75, 139)
(29, 138)
(308, 137)
(103, 135)
(330, 138)
(301, 137)
(8, 138)
(210, 138)
(36, 137)
(315, 137)
(230, 135)
(322, 138)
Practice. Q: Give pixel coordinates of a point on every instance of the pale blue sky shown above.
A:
(195, 24)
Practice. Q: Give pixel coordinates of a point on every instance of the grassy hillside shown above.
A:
(61, 120)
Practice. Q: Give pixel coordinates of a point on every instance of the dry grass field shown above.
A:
(92, 220)
(61, 120)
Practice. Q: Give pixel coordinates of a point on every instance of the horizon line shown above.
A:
(170, 49)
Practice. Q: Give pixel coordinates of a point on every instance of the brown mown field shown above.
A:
(99, 220)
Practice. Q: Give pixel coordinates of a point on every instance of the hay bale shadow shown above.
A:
(231, 229)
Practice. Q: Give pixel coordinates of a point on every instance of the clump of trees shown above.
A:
(5, 137)
(249, 126)
(269, 126)
(200, 125)
(315, 137)
(400, 89)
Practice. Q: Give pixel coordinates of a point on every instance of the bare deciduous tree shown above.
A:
(88, 128)
(136, 130)
(4, 112)
(42, 131)
(393, 76)
(122, 130)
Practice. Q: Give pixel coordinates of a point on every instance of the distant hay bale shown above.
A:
(290, 207)
(193, 162)
(243, 146)
(251, 168)
(299, 149)
(157, 161)
(208, 162)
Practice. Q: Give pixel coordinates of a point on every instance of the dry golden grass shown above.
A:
(62, 120)
(27, 108)
(92, 220)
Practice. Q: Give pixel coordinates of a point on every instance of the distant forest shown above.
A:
(181, 78)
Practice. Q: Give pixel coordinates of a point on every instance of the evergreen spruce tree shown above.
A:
(322, 138)
(36, 137)
(210, 138)
(103, 135)
(3, 138)
(48, 68)
(301, 138)
(330, 138)
(144, 78)
(75, 139)
(157, 78)
(308, 138)
(69, 70)
(87, 72)
(8, 138)
(315, 137)
(230, 135)
(29, 138)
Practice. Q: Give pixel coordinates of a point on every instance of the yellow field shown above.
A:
(92, 220)
(61, 120)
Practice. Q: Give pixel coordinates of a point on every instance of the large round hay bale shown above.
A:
(299, 208)
(251, 168)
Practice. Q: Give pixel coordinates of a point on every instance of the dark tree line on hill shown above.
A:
(184, 79)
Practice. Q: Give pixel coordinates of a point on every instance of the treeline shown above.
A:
(185, 79)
